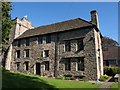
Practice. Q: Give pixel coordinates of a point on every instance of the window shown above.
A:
(17, 66)
(80, 64)
(46, 53)
(47, 65)
(26, 66)
(18, 54)
(27, 41)
(79, 45)
(68, 64)
(18, 43)
(40, 40)
(67, 46)
(26, 53)
(48, 39)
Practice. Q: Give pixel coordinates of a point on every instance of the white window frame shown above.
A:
(64, 47)
(76, 46)
(24, 52)
(76, 66)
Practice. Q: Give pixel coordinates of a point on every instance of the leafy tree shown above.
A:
(6, 21)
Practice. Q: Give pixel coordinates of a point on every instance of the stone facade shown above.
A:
(58, 56)
(76, 52)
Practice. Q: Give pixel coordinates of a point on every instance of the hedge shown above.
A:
(111, 71)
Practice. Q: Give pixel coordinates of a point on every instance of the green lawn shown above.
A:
(20, 80)
(115, 85)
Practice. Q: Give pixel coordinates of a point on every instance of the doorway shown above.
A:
(38, 68)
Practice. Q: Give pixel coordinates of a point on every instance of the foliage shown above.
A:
(61, 77)
(103, 78)
(106, 42)
(6, 21)
(85, 79)
(111, 71)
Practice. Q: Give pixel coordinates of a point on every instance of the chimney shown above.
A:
(94, 18)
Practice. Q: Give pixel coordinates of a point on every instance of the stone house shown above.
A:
(70, 48)
(111, 56)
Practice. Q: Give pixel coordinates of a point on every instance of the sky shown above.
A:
(39, 13)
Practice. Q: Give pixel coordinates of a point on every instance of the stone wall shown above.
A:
(57, 55)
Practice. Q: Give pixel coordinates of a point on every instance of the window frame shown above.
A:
(79, 45)
(17, 54)
(68, 64)
(46, 53)
(18, 66)
(26, 66)
(48, 39)
(46, 65)
(40, 40)
(80, 64)
(67, 46)
(26, 53)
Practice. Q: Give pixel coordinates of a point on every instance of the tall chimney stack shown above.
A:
(94, 18)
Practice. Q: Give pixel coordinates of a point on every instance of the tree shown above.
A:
(6, 21)
(106, 42)
(6, 7)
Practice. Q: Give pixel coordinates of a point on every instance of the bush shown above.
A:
(111, 71)
(85, 79)
(103, 78)
(60, 77)
(67, 78)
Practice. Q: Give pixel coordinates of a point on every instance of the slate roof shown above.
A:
(112, 53)
(57, 27)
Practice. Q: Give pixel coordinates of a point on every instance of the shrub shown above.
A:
(67, 78)
(60, 77)
(85, 79)
(103, 78)
(111, 71)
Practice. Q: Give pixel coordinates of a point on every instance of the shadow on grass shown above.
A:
(16, 80)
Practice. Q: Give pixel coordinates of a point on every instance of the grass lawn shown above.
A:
(20, 80)
(115, 85)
